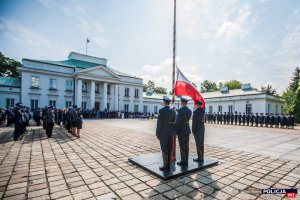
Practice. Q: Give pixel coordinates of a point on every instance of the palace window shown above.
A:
(248, 108)
(220, 109)
(52, 83)
(108, 89)
(52, 103)
(210, 109)
(230, 108)
(68, 104)
(136, 108)
(84, 86)
(83, 105)
(155, 109)
(269, 108)
(126, 92)
(276, 109)
(10, 102)
(69, 85)
(108, 106)
(136, 93)
(126, 106)
(97, 88)
(35, 82)
(34, 104)
(145, 110)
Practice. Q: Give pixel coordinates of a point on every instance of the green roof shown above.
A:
(68, 63)
(10, 81)
(79, 64)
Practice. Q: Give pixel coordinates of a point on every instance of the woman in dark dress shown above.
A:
(79, 121)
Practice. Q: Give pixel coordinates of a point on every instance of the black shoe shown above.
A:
(164, 168)
(182, 163)
(198, 160)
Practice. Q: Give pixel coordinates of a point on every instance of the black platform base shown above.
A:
(151, 163)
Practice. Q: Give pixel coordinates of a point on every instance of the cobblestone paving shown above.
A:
(96, 167)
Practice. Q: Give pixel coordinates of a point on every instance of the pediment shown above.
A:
(98, 71)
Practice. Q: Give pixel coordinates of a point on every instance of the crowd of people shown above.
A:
(261, 120)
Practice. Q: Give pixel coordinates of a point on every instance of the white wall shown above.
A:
(9, 93)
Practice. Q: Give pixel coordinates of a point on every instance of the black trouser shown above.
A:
(17, 131)
(199, 140)
(166, 145)
(49, 129)
(183, 140)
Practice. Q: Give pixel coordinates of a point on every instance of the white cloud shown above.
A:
(32, 41)
(153, 69)
(46, 3)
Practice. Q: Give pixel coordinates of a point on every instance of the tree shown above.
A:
(160, 90)
(150, 84)
(8, 67)
(292, 96)
(207, 86)
(233, 84)
(268, 90)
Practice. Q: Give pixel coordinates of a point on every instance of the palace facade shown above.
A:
(88, 82)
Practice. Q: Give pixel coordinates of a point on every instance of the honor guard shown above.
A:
(165, 132)
(49, 121)
(235, 117)
(283, 121)
(244, 119)
(225, 118)
(278, 120)
(291, 121)
(183, 130)
(240, 118)
(272, 120)
(198, 130)
(231, 118)
(252, 119)
(257, 119)
(267, 120)
(248, 118)
(18, 121)
(262, 119)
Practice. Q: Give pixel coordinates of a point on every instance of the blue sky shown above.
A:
(256, 41)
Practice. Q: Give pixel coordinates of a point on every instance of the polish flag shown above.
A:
(183, 87)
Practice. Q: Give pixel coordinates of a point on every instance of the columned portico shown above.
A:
(116, 97)
(104, 105)
(79, 92)
(92, 103)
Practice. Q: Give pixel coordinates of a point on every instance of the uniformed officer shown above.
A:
(267, 120)
(198, 130)
(291, 121)
(165, 132)
(231, 118)
(248, 118)
(228, 118)
(278, 120)
(272, 120)
(18, 121)
(214, 117)
(244, 119)
(283, 123)
(257, 119)
(262, 119)
(235, 117)
(49, 121)
(240, 118)
(252, 119)
(183, 130)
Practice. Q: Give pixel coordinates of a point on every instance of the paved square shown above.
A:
(96, 166)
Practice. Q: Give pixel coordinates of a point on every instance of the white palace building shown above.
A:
(88, 82)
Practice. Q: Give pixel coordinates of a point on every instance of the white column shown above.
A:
(116, 97)
(79, 93)
(104, 96)
(92, 94)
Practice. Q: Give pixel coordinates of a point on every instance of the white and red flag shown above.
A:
(183, 87)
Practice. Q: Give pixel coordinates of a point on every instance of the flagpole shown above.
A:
(173, 78)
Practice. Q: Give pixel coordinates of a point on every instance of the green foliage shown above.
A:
(268, 90)
(160, 90)
(8, 67)
(150, 84)
(208, 86)
(233, 84)
(292, 96)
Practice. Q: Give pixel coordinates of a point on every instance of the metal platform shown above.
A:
(152, 161)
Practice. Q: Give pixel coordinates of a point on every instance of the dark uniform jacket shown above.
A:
(198, 121)
(165, 122)
(182, 120)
